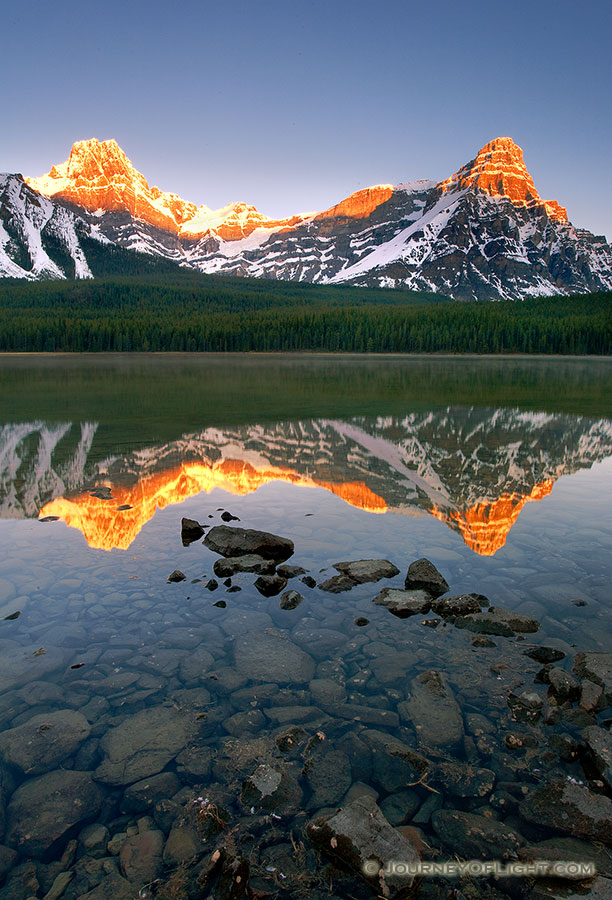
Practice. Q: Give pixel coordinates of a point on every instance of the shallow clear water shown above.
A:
(499, 472)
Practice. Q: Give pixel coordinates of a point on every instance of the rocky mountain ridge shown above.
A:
(483, 233)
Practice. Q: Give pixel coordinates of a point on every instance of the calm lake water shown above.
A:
(146, 723)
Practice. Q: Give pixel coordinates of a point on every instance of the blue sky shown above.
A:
(291, 106)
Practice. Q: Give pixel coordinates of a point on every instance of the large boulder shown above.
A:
(44, 742)
(360, 838)
(229, 541)
(43, 809)
(144, 744)
(570, 808)
(422, 575)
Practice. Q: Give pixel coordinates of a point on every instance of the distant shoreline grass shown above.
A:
(223, 314)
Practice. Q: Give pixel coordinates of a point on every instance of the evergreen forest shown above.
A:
(175, 311)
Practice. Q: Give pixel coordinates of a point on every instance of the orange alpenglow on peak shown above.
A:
(360, 204)
(500, 171)
(106, 528)
(485, 526)
(99, 176)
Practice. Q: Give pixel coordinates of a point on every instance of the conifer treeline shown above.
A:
(247, 315)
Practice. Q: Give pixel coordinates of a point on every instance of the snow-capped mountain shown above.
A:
(483, 233)
(473, 468)
(39, 238)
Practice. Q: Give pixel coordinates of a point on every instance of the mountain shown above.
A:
(483, 233)
(38, 238)
(472, 468)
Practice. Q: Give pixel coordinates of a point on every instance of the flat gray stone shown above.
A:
(433, 711)
(144, 744)
(44, 742)
(267, 657)
(43, 809)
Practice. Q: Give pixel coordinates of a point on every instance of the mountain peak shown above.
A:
(499, 170)
(99, 176)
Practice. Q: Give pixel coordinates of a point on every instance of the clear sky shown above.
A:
(291, 106)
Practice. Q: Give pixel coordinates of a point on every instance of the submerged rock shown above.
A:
(271, 788)
(395, 765)
(599, 750)
(268, 657)
(570, 808)
(497, 620)
(231, 541)
(404, 603)
(433, 711)
(328, 775)
(423, 575)
(140, 857)
(360, 838)
(476, 837)
(461, 780)
(544, 654)
(358, 572)
(43, 809)
(596, 667)
(44, 742)
(143, 744)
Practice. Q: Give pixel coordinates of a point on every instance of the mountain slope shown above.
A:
(38, 238)
(483, 233)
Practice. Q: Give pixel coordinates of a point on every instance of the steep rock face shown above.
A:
(499, 170)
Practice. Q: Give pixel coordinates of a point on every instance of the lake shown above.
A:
(148, 723)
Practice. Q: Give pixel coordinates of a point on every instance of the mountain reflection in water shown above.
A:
(472, 468)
